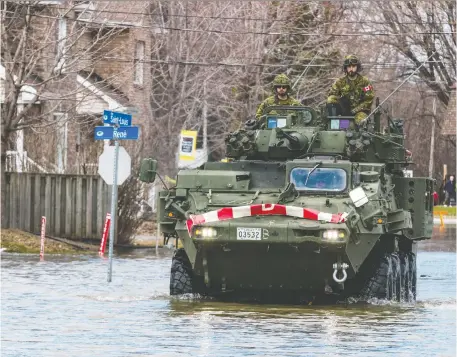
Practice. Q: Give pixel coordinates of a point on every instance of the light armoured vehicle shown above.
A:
(305, 206)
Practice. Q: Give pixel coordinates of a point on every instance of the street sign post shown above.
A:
(120, 128)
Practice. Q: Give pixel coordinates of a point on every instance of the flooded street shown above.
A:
(65, 307)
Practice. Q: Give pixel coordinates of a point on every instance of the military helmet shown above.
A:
(352, 60)
(281, 80)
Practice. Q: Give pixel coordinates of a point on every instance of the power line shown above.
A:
(249, 1)
(97, 11)
(380, 65)
(374, 65)
(337, 34)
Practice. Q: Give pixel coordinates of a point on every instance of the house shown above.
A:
(93, 56)
(449, 125)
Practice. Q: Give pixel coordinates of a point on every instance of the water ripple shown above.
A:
(65, 307)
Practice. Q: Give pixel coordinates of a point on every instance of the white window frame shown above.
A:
(138, 64)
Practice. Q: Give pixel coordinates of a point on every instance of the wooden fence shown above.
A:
(75, 206)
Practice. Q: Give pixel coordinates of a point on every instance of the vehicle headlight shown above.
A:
(205, 232)
(334, 235)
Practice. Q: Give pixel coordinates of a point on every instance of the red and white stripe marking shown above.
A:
(101, 251)
(266, 209)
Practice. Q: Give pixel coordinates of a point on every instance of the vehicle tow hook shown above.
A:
(343, 267)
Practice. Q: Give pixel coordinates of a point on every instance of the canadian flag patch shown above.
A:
(367, 88)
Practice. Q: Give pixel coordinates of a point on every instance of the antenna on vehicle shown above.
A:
(406, 79)
(305, 70)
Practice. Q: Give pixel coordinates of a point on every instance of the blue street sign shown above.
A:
(113, 118)
(103, 132)
(111, 133)
(126, 133)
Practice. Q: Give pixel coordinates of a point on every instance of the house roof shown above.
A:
(27, 95)
(112, 13)
(115, 99)
(103, 95)
(103, 86)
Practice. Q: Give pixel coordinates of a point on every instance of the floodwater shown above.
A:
(65, 307)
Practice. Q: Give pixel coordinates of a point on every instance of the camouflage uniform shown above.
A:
(280, 80)
(356, 90)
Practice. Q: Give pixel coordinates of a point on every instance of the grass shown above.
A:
(450, 211)
(17, 241)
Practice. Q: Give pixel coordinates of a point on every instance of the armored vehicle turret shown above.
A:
(305, 206)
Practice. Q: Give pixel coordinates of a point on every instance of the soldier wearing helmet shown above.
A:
(281, 95)
(351, 94)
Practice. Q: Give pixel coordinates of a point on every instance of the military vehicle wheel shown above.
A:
(405, 277)
(397, 282)
(385, 284)
(380, 284)
(181, 274)
(412, 276)
(395, 278)
(408, 276)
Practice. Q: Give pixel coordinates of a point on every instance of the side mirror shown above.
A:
(148, 170)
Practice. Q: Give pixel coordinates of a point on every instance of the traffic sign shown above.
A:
(121, 133)
(106, 165)
(114, 118)
(114, 164)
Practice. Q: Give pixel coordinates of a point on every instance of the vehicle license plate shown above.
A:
(248, 233)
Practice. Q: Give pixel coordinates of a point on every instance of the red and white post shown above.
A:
(43, 235)
(105, 233)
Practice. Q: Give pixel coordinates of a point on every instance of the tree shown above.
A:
(421, 31)
(217, 60)
(43, 50)
(307, 49)
(196, 66)
(395, 39)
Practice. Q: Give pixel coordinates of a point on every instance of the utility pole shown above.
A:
(20, 164)
(432, 140)
(205, 120)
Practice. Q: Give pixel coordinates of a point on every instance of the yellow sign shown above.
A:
(170, 180)
(187, 145)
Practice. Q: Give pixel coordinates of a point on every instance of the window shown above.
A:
(320, 179)
(138, 63)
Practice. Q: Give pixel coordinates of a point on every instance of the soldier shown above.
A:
(351, 94)
(281, 95)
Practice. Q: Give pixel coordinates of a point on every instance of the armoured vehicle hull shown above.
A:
(299, 212)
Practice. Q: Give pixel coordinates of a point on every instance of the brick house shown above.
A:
(102, 47)
(449, 126)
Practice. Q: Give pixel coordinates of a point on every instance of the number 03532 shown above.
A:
(248, 233)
